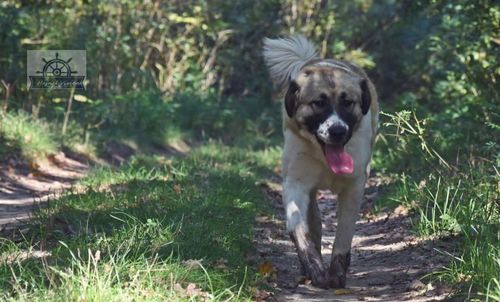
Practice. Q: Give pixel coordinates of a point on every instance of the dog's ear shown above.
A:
(291, 98)
(366, 98)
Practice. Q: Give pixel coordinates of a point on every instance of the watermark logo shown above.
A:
(56, 69)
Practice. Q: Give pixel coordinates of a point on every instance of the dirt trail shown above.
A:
(24, 188)
(386, 265)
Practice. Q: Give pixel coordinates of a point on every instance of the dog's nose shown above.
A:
(337, 133)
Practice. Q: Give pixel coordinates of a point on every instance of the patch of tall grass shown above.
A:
(450, 200)
(26, 136)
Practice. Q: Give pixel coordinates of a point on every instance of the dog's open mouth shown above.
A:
(339, 161)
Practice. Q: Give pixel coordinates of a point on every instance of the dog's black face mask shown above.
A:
(330, 104)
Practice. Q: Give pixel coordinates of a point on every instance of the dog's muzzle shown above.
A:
(333, 130)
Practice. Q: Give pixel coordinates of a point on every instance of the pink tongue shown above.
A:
(339, 161)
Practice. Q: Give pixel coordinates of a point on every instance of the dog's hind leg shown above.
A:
(349, 201)
(305, 231)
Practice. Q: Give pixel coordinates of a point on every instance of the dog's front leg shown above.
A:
(304, 225)
(348, 204)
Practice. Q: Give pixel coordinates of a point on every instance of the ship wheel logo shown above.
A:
(56, 67)
(57, 72)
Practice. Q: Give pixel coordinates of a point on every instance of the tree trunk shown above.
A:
(68, 111)
(8, 87)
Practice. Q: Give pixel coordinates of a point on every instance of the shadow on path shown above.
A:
(24, 188)
(387, 260)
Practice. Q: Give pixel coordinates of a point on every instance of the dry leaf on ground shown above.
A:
(342, 291)
(266, 269)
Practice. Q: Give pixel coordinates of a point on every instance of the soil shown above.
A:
(26, 186)
(388, 263)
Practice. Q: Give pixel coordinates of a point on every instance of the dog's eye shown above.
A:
(347, 103)
(319, 103)
(322, 101)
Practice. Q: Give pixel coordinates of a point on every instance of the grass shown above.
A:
(458, 200)
(26, 136)
(463, 206)
(153, 230)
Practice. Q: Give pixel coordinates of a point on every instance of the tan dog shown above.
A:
(330, 120)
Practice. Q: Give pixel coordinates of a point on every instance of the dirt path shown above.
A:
(24, 188)
(387, 261)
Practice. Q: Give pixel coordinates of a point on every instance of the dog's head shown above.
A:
(329, 104)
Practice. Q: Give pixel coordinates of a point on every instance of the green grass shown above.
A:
(134, 233)
(458, 200)
(464, 206)
(26, 136)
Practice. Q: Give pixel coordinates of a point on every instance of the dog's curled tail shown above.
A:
(285, 57)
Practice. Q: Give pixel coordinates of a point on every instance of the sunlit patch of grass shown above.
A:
(146, 231)
(465, 206)
(492, 292)
(440, 212)
(22, 134)
(171, 136)
(110, 271)
(457, 200)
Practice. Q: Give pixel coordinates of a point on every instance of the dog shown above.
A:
(330, 121)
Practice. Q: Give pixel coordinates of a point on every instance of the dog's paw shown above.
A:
(337, 280)
(337, 273)
(316, 272)
(320, 279)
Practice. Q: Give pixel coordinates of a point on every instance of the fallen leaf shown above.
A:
(177, 189)
(33, 166)
(401, 210)
(429, 286)
(266, 268)
(342, 291)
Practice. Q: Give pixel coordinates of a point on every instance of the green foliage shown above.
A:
(150, 118)
(446, 70)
